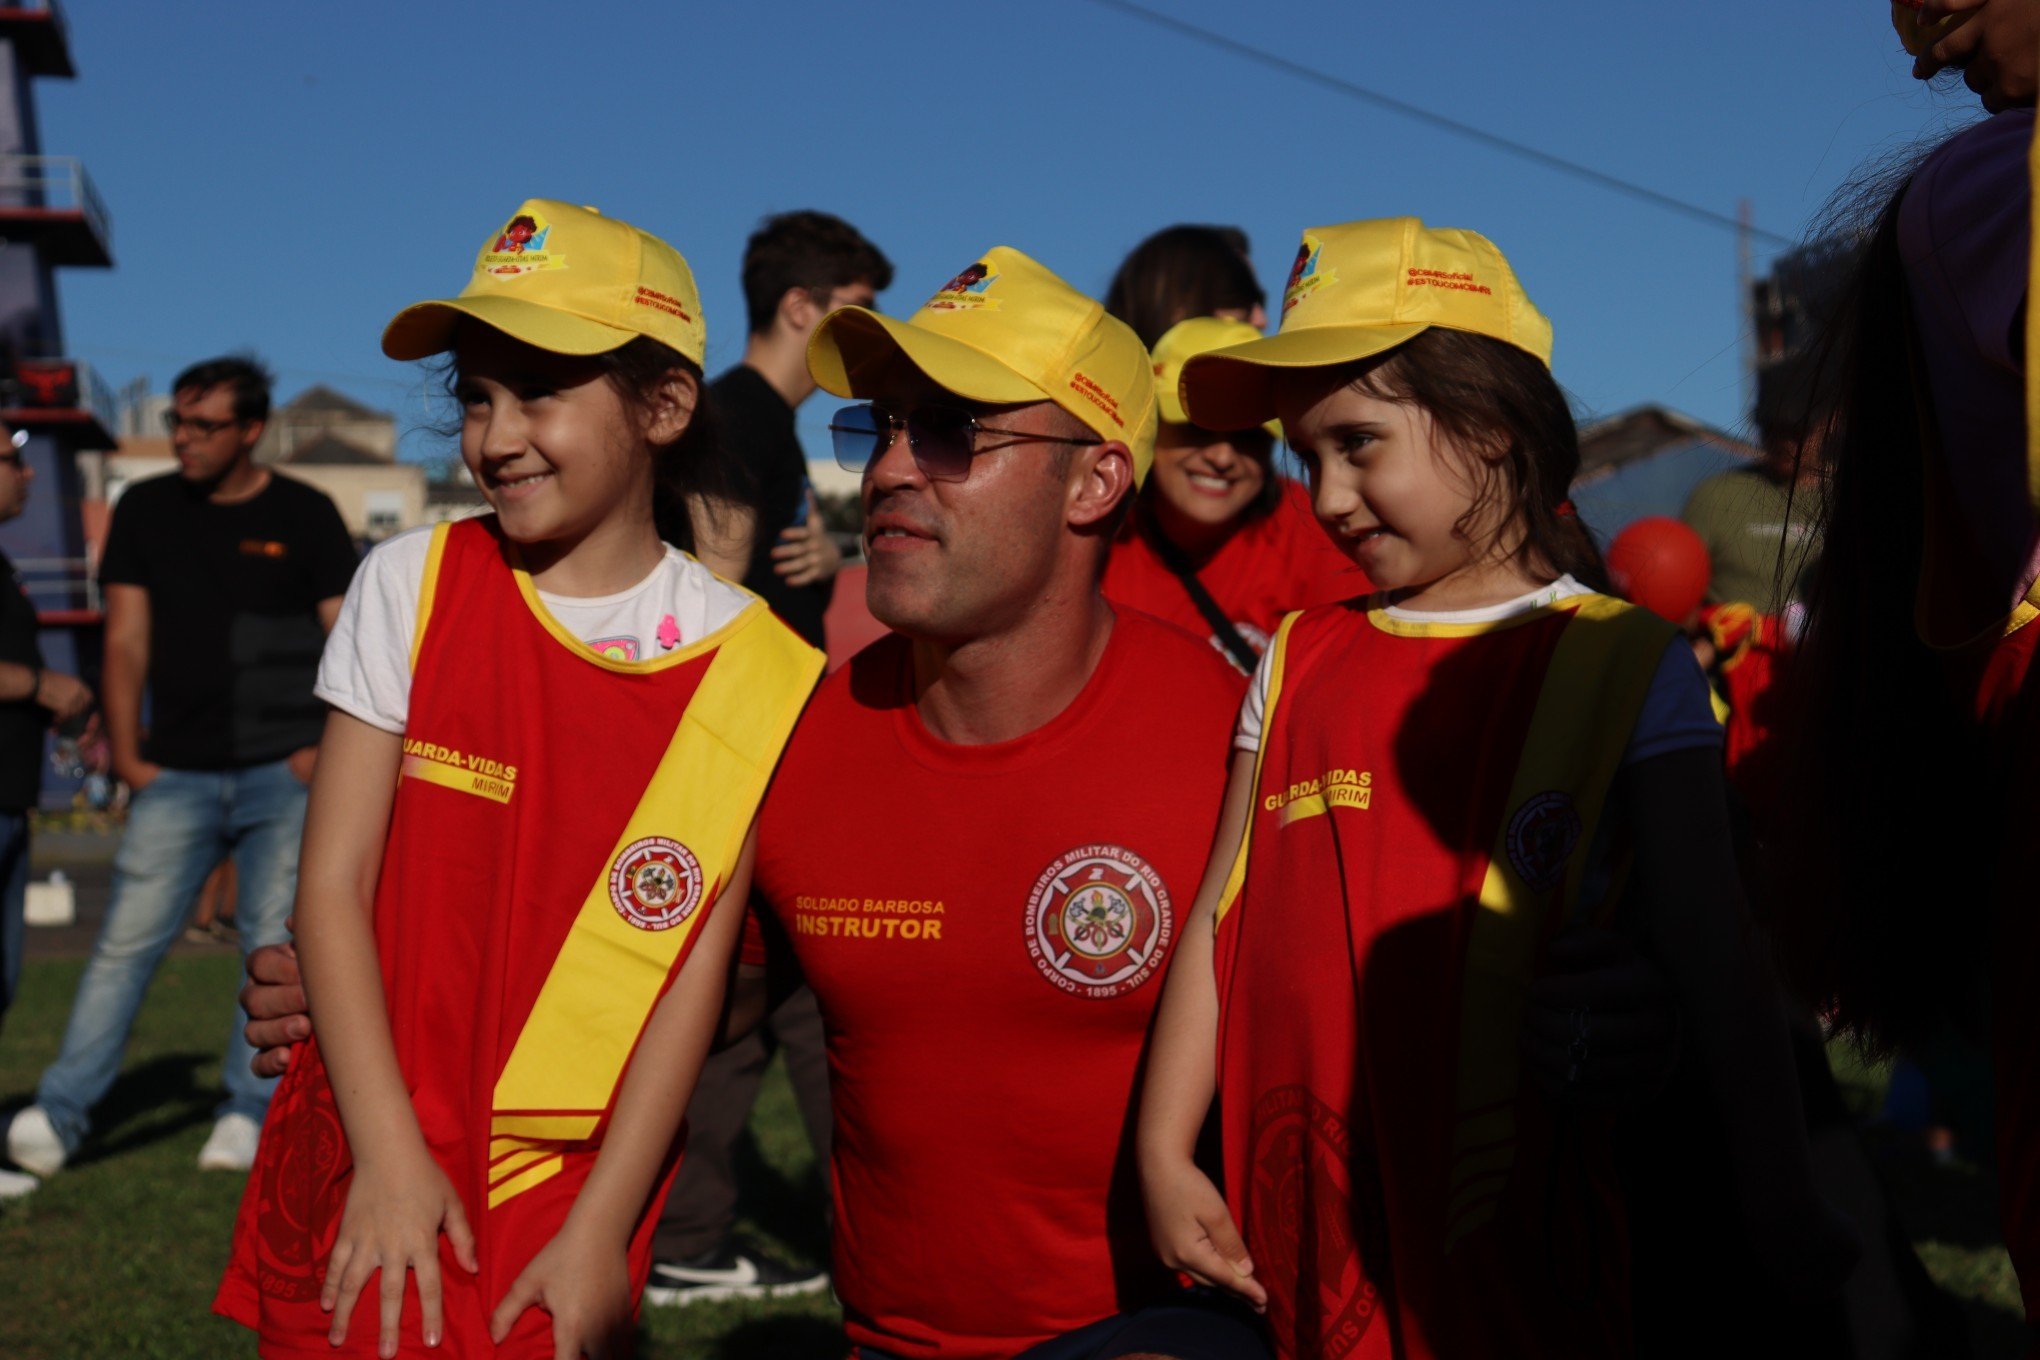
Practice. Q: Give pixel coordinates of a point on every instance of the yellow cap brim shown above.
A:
(853, 346)
(1231, 389)
(427, 328)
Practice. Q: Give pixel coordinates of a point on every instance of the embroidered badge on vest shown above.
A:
(655, 883)
(1541, 838)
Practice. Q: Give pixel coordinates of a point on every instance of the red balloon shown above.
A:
(1662, 565)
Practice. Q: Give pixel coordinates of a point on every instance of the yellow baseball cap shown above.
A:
(1360, 289)
(1184, 341)
(567, 280)
(1006, 329)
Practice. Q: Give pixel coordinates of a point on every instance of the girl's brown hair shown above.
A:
(1502, 405)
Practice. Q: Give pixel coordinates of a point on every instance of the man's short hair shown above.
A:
(810, 250)
(242, 374)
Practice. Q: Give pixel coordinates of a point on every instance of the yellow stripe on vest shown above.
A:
(609, 974)
(428, 586)
(1276, 658)
(1592, 692)
(536, 1175)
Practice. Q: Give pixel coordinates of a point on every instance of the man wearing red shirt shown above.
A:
(980, 843)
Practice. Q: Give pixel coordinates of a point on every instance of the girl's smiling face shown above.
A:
(1395, 492)
(551, 443)
(1208, 478)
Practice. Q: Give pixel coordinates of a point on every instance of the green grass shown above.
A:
(118, 1256)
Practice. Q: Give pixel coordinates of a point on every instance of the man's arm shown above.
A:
(126, 671)
(65, 696)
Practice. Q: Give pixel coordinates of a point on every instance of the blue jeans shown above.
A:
(179, 827)
(13, 900)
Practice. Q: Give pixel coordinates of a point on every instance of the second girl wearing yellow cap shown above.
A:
(1220, 542)
(1427, 785)
(550, 734)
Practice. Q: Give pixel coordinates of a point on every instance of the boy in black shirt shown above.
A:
(220, 582)
(798, 267)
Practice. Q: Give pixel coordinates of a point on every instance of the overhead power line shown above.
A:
(1494, 141)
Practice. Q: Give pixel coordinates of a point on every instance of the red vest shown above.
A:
(563, 824)
(1425, 801)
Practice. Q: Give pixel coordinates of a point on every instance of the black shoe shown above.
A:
(730, 1272)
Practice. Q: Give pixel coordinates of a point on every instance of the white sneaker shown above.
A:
(232, 1145)
(16, 1185)
(33, 1143)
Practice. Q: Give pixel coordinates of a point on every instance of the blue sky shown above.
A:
(285, 177)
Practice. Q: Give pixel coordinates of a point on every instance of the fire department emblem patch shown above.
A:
(1542, 835)
(655, 883)
(1099, 922)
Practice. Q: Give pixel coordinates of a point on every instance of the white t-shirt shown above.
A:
(366, 668)
(1677, 713)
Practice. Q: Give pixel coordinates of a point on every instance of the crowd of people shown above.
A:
(1225, 916)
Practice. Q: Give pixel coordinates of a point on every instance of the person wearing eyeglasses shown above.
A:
(220, 582)
(981, 839)
(32, 698)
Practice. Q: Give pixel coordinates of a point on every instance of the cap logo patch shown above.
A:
(520, 249)
(1456, 280)
(1305, 276)
(965, 292)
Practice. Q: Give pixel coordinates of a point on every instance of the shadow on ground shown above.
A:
(158, 1099)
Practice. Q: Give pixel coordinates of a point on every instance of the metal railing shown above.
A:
(57, 183)
(53, 583)
(95, 394)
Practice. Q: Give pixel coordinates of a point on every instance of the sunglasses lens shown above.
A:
(857, 434)
(941, 438)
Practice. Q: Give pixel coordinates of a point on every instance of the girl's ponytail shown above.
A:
(695, 474)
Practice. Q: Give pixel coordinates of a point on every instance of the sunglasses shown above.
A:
(943, 439)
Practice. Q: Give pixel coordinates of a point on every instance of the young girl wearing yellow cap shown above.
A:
(1429, 784)
(550, 734)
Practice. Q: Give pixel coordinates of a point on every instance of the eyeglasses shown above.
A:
(204, 429)
(943, 439)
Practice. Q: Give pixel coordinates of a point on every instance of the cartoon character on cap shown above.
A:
(971, 280)
(517, 235)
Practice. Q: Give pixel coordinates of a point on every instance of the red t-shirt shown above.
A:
(1272, 565)
(986, 929)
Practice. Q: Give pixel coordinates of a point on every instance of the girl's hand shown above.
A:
(392, 1224)
(1193, 1233)
(585, 1285)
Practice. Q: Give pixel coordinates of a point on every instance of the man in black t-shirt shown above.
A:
(31, 698)
(220, 583)
(798, 267)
